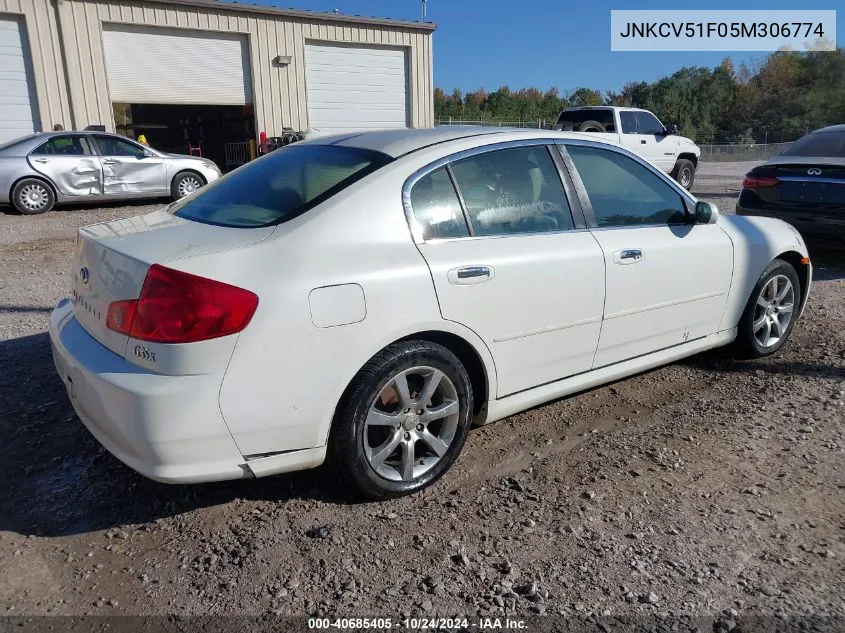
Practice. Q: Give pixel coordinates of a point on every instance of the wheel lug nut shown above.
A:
(419, 411)
(407, 436)
(419, 427)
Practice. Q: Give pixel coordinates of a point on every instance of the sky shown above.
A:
(544, 43)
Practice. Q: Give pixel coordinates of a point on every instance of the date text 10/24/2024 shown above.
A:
(416, 624)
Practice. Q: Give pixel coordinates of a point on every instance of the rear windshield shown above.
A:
(280, 186)
(8, 145)
(576, 117)
(818, 144)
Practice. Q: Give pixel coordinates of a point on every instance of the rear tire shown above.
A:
(403, 420)
(185, 183)
(32, 196)
(771, 311)
(684, 173)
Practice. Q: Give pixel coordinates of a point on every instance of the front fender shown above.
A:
(757, 241)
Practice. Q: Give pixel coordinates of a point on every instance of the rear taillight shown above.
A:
(177, 307)
(752, 181)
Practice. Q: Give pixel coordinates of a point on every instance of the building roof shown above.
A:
(299, 13)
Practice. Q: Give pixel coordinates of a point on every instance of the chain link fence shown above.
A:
(710, 151)
(740, 151)
(523, 123)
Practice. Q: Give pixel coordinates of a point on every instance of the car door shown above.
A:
(512, 261)
(667, 280)
(69, 162)
(656, 146)
(130, 169)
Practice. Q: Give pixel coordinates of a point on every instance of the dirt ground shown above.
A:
(705, 495)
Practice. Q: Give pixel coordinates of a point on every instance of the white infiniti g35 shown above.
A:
(368, 297)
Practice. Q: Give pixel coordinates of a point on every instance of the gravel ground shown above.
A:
(705, 495)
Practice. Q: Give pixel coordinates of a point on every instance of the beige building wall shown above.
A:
(65, 38)
(48, 67)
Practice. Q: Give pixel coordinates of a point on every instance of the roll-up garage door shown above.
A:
(355, 88)
(155, 65)
(17, 101)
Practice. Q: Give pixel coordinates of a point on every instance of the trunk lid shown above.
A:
(804, 183)
(111, 260)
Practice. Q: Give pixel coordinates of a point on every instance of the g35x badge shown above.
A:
(145, 352)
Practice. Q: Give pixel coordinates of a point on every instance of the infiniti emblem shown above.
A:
(83, 274)
(814, 171)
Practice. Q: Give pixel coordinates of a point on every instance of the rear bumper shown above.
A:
(807, 221)
(168, 428)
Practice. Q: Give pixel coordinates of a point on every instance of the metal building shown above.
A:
(198, 75)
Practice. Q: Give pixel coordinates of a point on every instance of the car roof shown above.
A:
(25, 144)
(399, 142)
(831, 128)
(604, 107)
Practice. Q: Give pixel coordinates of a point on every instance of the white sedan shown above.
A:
(367, 298)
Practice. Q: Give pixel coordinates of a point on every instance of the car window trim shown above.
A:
(688, 200)
(417, 229)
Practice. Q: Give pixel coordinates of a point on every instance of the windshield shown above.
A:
(280, 186)
(819, 144)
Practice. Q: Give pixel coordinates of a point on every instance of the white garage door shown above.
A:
(150, 65)
(354, 88)
(17, 101)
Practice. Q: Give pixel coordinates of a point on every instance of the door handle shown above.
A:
(40, 160)
(628, 256)
(108, 161)
(467, 275)
(643, 141)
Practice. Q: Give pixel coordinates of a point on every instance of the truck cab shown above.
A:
(641, 132)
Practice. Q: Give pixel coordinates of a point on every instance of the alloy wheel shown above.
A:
(34, 197)
(411, 424)
(188, 185)
(773, 311)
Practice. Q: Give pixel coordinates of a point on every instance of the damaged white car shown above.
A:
(42, 170)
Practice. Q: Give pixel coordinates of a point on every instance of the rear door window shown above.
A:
(280, 186)
(69, 145)
(512, 191)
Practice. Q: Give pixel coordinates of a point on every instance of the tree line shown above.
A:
(776, 99)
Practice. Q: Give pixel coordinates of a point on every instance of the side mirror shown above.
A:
(671, 129)
(706, 213)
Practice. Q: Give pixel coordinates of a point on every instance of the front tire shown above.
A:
(771, 311)
(403, 420)
(32, 196)
(185, 183)
(684, 173)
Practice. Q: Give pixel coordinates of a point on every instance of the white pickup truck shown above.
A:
(639, 131)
